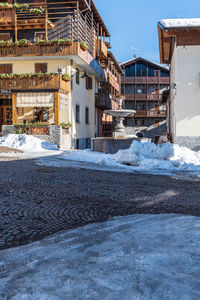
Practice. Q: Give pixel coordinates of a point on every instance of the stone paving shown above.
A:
(36, 201)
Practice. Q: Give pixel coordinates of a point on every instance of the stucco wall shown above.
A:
(28, 66)
(187, 99)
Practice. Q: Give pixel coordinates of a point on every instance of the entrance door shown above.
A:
(5, 112)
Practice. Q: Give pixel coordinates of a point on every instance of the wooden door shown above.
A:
(5, 113)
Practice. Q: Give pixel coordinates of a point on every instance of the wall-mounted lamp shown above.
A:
(85, 75)
(173, 86)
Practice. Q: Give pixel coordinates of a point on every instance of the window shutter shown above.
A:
(41, 68)
(6, 68)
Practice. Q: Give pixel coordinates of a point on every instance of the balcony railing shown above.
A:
(48, 83)
(102, 51)
(150, 114)
(145, 80)
(113, 81)
(102, 101)
(143, 97)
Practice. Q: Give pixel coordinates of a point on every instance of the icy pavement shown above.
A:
(135, 257)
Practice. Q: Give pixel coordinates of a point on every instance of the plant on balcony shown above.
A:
(66, 125)
(18, 6)
(66, 77)
(22, 42)
(6, 43)
(84, 46)
(56, 41)
(37, 11)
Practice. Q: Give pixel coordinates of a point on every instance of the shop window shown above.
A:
(41, 114)
(78, 113)
(41, 68)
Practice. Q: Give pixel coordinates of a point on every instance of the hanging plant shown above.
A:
(22, 42)
(66, 77)
(84, 46)
(6, 43)
(18, 6)
(37, 11)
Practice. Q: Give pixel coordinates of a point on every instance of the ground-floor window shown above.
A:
(41, 114)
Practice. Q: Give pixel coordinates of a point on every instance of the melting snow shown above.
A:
(140, 157)
(175, 23)
(135, 257)
(26, 143)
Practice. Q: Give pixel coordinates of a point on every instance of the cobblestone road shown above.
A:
(39, 201)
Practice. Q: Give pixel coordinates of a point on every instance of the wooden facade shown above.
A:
(142, 85)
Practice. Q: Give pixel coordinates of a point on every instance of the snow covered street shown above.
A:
(134, 257)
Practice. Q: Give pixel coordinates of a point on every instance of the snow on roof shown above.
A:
(138, 58)
(180, 23)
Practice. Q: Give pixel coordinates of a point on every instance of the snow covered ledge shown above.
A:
(57, 135)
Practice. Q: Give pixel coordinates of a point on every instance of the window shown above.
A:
(40, 35)
(88, 83)
(41, 114)
(77, 76)
(87, 115)
(157, 73)
(41, 68)
(77, 113)
(4, 36)
(5, 68)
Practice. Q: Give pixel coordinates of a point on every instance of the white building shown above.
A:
(179, 41)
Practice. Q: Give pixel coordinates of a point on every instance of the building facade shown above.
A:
(51, 67)
(142, 84)
(179, 41)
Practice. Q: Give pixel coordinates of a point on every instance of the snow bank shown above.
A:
(133, 257)
(144, 157)
(175, 23)
(26, 143)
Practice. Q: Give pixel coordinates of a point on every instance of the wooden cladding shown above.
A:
(46, 83)
(145, 80)
(150, 114)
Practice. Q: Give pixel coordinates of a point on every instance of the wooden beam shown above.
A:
(57, 108)
(14, 108)
(15, 27)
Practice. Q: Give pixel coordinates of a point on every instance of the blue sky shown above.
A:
(133, 23)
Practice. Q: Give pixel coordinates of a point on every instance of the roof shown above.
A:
(130, 61)
(97, 17)
(177, 32)
(110, 54)
(179, 23)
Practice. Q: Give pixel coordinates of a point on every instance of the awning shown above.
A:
(35, 99)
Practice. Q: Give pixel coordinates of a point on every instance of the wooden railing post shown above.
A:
(14, 108)
(46, 23)
(57, 108)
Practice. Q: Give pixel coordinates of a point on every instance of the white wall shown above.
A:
(185, 111)
(84, 98)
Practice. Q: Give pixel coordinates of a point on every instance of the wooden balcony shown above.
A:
(150, 114)
(143, 97)
(114, 83)
(45, 83)
(102, 49)
(102, 101)
(145, 80)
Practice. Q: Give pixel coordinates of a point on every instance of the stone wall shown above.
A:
(111, 145)
(58, 136)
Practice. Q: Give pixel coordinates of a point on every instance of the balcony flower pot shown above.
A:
(84, 46)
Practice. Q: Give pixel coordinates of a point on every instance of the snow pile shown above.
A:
(26, 143)
(180, 23)
(144, 157)
(133, 257)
